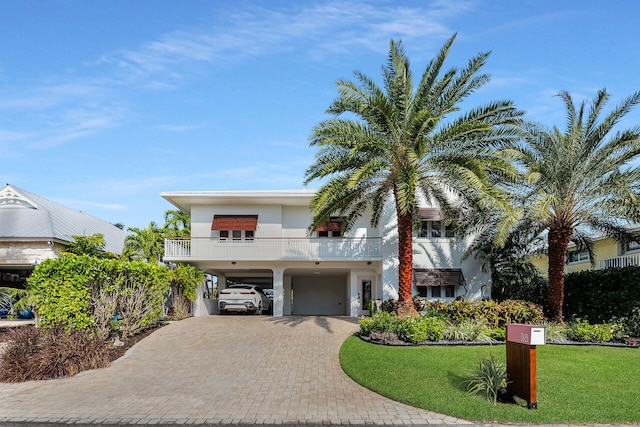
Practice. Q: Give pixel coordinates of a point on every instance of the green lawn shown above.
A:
(576, 384)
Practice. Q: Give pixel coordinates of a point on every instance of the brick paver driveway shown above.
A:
(219, 370)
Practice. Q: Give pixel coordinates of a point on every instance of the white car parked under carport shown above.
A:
(243, 298)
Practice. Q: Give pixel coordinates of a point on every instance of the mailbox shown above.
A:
(521, 361)
(526, 334)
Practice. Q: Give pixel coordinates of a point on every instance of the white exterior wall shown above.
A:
(432, 253)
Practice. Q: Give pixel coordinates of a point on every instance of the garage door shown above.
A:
(315, 296)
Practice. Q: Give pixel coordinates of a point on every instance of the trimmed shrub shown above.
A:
(409, 329)
(631, 324)
(381, 322)
(419, 329)
(582, 330)
(493, 313)
(87, 294)
(602, 295)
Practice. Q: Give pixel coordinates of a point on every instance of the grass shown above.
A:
(575, 384)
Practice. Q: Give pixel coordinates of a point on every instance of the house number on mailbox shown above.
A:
(524, 338)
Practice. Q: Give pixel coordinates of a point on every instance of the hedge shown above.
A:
(602, 295)
(87, 293)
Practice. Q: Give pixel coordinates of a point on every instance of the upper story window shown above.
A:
(577, 256)
(632, 246)
(433, 224)
(235, 227)
(331, 228)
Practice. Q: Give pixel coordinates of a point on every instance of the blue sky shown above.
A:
(104, 104)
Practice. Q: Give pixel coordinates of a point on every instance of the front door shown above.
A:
(366, 295)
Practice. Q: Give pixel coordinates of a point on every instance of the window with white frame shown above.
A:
(433, 225)
(577, 256)
(235, 227)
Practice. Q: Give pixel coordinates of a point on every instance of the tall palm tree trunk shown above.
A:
(405, 267)
(559, 239)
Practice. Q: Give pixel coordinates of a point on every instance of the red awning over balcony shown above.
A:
(234, 222)
(334, 224)
(439, 277)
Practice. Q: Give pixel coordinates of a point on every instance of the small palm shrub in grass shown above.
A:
(468, 330)
(490, 378)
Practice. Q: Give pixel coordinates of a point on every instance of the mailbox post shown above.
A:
(521, 361)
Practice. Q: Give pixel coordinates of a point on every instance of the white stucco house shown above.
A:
(262, 237)
(33, 228)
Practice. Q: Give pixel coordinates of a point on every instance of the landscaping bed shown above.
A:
(108, 355)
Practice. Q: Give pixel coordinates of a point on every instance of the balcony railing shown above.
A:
(621, 261)
(266, 249)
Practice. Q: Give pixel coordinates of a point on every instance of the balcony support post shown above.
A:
(278, 291)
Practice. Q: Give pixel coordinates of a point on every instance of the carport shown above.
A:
(313, 289)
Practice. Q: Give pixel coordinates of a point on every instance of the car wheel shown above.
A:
(259, 310)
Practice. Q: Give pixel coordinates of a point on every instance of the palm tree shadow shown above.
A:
(457, 381)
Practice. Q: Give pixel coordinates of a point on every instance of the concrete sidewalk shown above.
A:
(218, 370)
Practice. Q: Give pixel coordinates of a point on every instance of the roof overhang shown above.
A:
(184, 200)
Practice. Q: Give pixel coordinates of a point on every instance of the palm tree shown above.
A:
(145, 244)
(582, 180)
(177, 223)
(401, 146)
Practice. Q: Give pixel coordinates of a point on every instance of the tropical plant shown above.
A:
(403, 146)
(470, 330)
(490, 378)
(580, 181)
(92, 245)
(146, 244)
(513, 275)
(184, 280)
(177, 223)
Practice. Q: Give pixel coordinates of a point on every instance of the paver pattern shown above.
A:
(219, 370)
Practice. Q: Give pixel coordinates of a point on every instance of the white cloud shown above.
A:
(316, 30)
(78, 123)
(79, 203)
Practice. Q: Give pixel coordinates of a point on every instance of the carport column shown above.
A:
(197, 307)
(354, 300)
(278, 291)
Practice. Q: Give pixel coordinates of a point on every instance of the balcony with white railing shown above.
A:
(620, 261)
(274, 249)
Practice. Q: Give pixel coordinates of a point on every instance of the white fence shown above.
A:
(273, 249)
(621, 261)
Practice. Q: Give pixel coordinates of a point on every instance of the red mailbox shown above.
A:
(521, 361)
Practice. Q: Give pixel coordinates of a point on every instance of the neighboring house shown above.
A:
(607, 252)
(263, 237)
(33, 229)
